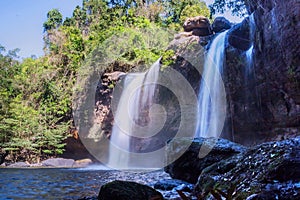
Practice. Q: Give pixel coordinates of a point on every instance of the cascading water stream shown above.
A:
(211, 105)
(249, 60)
(249, 74)
(249, 52)
(132, 118)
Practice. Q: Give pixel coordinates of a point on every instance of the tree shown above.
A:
(237, 7)
(175, 7)
(95, 8)
(194, 10)
(80, 17)
(69, 22)
(54, 20)
(9, 67)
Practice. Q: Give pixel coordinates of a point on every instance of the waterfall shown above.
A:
(249, 52)
(133, 117)
(211, 105)
(249, 73)
(249, 60)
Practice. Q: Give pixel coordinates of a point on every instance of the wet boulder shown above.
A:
(239, 35)
(220, 24)
(190, 164)
(265, 171)
(170, 184)
(126, 190)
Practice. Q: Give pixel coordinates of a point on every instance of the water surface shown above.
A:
(64, 183)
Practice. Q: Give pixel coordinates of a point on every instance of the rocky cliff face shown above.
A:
(265, 103)
(263, 95)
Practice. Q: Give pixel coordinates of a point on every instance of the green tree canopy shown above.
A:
(54, 20)
(194, 10)
(237, 7)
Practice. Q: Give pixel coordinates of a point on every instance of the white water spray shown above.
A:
(133, 117)
(251, 38)
(211, 105)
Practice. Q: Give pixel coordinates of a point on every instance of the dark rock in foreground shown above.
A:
(189, 166)
(126, 190)
(267, 171)
(170, 184)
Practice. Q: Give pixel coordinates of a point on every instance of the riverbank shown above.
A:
(52, 163)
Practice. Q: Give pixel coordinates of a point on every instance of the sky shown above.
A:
(21, 22)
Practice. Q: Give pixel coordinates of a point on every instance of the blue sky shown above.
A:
(21, 22)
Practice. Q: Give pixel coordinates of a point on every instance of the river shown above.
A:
(60, 183)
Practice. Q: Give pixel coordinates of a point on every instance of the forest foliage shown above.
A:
(36, 93)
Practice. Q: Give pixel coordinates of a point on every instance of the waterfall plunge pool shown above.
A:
(62, 183)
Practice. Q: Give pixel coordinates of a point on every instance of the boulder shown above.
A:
(58, 162)
(269, 168)
(113, 76)
(19, 165)
(3, 154)
(239, 35)
(220, 24)
(82, 163)
(189, 166)
(170, 184)
(126, 190)
(3, 165)
(200, 26)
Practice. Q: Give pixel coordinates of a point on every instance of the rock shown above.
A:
(269, 168)
(264, 105)
(199, 26)
(113, 76)
(277, 61)
(189, 166)
(58, 162)
(89, 198)
(126, 190)
(220, 24)
(3, 154)
(82, 163)
(201, 32)
(170, 184)
(19, 165)
(36, 165)
(283, 191)
(75, 150)
(239, 35)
